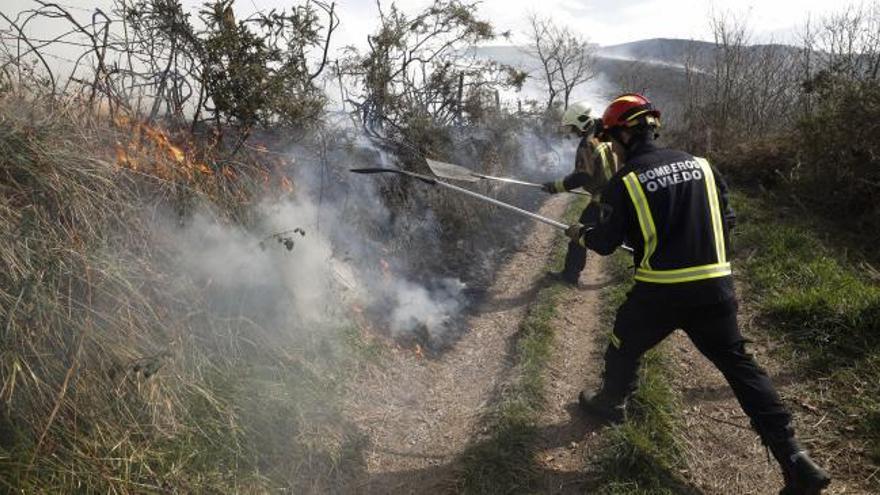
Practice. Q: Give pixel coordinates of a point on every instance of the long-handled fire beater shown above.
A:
(457, 172)
(434, 182)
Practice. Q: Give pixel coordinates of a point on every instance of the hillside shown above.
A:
(652, 66)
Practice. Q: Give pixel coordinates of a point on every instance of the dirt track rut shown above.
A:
(419, 413)
(569, 440)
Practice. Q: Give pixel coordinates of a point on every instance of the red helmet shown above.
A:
(626, 110)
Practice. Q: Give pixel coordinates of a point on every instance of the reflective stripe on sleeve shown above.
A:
(714, 209)
(646, 221)
(607, 159)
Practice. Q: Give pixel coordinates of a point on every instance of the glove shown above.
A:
(574, 232)
(549, 187)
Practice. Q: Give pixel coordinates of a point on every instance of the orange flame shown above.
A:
(228, 172)
(286, 184)
(156, 149)
(123, 159)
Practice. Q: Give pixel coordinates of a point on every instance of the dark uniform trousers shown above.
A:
(576, 256)
(642, 324)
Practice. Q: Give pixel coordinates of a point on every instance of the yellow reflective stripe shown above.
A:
(606, 157)
(559, 185)
(684, 274)
(630, 121)
(643, 212)
(603, 153)
(714, 210)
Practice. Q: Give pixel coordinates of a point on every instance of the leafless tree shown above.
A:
(566, 58)
(739, 89)
(418, 73)
(849, 42)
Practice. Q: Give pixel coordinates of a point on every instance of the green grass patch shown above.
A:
(504, 463)
(642, 455)
(823, 306)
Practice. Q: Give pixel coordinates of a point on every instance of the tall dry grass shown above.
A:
(113, 376)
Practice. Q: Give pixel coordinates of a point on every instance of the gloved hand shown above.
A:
(549, 187)
(574, 232)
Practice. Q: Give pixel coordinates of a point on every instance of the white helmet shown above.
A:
(578, 115)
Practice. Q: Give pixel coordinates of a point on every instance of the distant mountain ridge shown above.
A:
(673, 51)
(653, 66)
(669, 50)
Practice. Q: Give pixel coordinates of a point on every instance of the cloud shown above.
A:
(604, 22)
(609, 23)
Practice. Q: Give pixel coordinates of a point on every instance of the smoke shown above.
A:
(416, 308)
(307, 287)
(306, 261)
(544, 157)
(645, 61)
(254, 276)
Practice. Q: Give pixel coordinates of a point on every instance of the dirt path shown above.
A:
(419, 413)
(568, 437)
(724, 454)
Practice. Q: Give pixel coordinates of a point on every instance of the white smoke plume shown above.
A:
(320, 266)
(416, 307)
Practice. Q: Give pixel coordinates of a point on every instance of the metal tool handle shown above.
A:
(433, 181)
(523, 183)
(548, 221)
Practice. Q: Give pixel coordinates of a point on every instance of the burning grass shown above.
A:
(151, 341)
(114, 375)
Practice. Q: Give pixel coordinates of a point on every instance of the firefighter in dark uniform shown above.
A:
(594, 165)
(673, 209)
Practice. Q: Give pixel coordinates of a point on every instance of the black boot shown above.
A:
(603, 405)
(802, 475)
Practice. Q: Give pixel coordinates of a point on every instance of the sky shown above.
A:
(608, 22)
(604, 22)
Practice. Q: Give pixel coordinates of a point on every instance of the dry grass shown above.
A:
(113, 377)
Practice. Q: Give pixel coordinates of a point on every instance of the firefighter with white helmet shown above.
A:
(594, 165)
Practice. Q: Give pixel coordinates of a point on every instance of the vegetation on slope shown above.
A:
(822, 303)
(115, 376)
